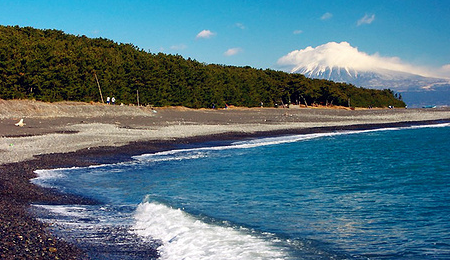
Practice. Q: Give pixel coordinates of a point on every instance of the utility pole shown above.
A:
(99, 89)
(306, 104)
(137, 96)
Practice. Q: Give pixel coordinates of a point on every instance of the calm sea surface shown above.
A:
(381, 194)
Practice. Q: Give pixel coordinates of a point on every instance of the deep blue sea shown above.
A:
(378, 194)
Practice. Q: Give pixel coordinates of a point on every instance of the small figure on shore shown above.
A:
(113, 100)
(107, 100)
(20, 123)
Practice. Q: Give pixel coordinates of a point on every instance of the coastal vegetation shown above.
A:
(50, 65)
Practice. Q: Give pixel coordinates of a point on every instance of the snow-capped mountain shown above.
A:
(378, 79)
(341, 62)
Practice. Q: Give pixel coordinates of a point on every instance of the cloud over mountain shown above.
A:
(341, 62)
(445, 70)
(343, 55)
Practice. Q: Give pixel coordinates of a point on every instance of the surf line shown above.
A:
(194, 153)
(199, 152)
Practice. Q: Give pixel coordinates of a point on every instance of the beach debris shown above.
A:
(20, 123)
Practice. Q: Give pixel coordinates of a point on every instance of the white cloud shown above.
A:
(446, 67)
(342, 54)
(178, 47)
(205, 34)
(326, 16)
(366, 19)
(232, 51)
(444, 71)
(240, 26)
(297, 32)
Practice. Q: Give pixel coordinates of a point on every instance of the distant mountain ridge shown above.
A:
(378, 79)
(341, 62)
(416, 90)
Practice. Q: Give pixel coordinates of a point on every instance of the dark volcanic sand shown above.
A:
(24, 237)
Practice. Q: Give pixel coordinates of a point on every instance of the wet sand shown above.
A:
(78, 134)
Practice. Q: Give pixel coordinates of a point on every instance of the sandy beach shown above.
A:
(78, 134)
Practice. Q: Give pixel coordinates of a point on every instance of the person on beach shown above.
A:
(113, 100)
(107, 100)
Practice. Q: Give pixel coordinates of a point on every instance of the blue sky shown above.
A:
(256, 33)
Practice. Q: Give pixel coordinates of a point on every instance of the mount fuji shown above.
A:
(340, 62)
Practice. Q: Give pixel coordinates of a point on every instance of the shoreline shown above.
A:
(25, 237)
(28, 238)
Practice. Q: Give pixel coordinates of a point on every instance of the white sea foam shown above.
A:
(431, 126)
(194, 153)
(66, 210)
(59, 172)
(44, 176)
(186, 237)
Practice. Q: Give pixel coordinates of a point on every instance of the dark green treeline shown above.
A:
(50, 65)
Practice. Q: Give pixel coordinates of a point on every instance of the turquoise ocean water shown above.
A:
(379, 194)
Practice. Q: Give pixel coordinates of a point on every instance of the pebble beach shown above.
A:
(71, 134)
